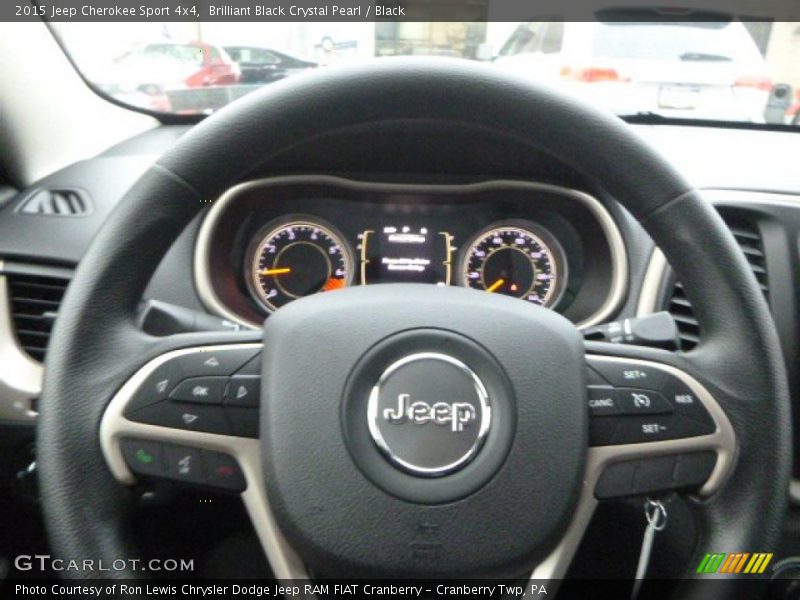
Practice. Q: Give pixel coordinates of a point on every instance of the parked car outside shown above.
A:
(675, 69)
(264, 65)
(147, 73)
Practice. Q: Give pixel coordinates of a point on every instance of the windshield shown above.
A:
(727, 70)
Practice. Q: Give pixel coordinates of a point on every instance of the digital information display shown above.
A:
(405, 254)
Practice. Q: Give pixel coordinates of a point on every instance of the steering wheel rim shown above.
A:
(739, 359)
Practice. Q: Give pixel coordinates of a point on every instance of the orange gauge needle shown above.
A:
(282, 271)
(495, 285)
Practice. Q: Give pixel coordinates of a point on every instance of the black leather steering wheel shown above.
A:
(312, 470)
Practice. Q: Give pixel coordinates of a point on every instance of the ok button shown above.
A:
(634, 401)
(204, 390)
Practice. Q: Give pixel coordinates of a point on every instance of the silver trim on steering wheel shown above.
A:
(114, 426)
(723, 441)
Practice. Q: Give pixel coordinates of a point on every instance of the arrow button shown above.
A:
(244, 391)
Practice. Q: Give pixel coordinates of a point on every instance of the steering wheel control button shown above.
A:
(693, 470)
(185, 464)
(616, 481)
(648, 475)
(204, 390)
(243, 421)
(637, 477)
(636, 430)
(634, 401)
(653, 474)
(183, 415)
(223, 471)
(686, 401)
(625, 374)
(215, 362)
(429, 414)
(244, 391)
(652, 405)
(602, 401)
(142, 457)
(157, 386)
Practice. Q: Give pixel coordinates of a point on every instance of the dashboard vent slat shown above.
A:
(748, 237)
(61, 202)
(35, 301)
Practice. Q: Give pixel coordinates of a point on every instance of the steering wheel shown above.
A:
(422, 431)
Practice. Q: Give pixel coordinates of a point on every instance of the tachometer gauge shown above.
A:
(516, 259)
(295, 259)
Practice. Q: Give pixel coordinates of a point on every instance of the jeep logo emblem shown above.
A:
(456, 415)
(429, 414)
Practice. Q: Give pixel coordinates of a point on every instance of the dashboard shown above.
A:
(449, 181)
(266, 243)
(603, 265)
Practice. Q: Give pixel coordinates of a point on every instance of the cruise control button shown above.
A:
(156, 387)
(183, 415)
(243, 421)
(224, 472)
(185, 464)
(205, 390)
(686, 401)
(145, 458)
(244, 391)
(634, 430)
(624, 374)
(602, 401)
(215, 362)
(633, 401)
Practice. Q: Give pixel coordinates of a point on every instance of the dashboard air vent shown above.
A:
(681, 310)
(34, 304)
(62, 202)
(749, 239)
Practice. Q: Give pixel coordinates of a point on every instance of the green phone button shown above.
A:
(145, 458)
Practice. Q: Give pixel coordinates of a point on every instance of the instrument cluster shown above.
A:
(265, 244)
(301, 255)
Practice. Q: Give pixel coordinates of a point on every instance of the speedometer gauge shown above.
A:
(297, 258)
(516, 259)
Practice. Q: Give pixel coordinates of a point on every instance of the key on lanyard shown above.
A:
(656, 515)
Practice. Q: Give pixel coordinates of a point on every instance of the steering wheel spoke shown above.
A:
(651, 417)
(654, 429)
(191, 415)
(207, 394)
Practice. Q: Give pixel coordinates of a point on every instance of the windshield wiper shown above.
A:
(704, 57)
